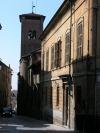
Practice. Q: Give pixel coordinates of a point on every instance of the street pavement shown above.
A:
(22, 124)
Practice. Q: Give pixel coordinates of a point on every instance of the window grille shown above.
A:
(57, 96)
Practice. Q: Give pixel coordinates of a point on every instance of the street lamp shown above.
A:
(0, 64)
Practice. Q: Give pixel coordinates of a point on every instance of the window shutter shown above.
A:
(52, 57)
(47, 59)
(59, 53)
(79, 40)
(67, 46)
(56, 55)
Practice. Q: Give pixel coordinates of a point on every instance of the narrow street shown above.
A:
(21, 124)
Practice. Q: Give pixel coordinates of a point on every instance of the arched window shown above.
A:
(29, 34)
(32, 34)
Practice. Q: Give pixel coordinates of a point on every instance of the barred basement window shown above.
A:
(57, 96)
(67, 49)
(79, 40)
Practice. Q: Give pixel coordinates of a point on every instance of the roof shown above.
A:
(63, 8)
(31, 16)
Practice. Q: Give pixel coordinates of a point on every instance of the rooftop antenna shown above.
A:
(32, 7)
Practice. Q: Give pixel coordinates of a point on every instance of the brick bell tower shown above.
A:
(31, 28)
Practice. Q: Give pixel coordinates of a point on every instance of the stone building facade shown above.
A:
(70, 64)
(14, 99)
(31, 28)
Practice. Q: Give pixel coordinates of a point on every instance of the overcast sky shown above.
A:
(10, 34)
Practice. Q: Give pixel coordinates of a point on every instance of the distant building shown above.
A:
(14, 99)
(5, 85)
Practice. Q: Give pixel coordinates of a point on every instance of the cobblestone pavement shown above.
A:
(21, 124)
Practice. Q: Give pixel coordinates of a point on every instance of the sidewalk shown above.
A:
(43, 126)
(55, 127)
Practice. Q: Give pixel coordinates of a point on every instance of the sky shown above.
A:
(10, 34)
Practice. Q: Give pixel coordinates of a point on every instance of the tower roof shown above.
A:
(31, 16)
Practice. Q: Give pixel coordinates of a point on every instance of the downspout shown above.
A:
(88, 54)
(70, 56)
(95, 54)
(43, 77)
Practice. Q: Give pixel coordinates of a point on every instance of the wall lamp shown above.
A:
(0, 64)
(0, 27)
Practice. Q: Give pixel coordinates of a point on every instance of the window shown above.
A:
(57, 96)
(42, 94)
(0, 94)
(67, 49)
(32, 34)
(42, 62)
(52, 57)
(51, 96)
(11, 99)
(47, 60)
(46, 95)
(79, 40)
(78, 93)
(3, 77)
(58, 54)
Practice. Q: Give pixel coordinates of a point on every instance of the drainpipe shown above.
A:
(95, 71)
(88, 54)
(70, 56)
(43, 43)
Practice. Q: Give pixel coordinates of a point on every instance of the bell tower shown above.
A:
(31, 28)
